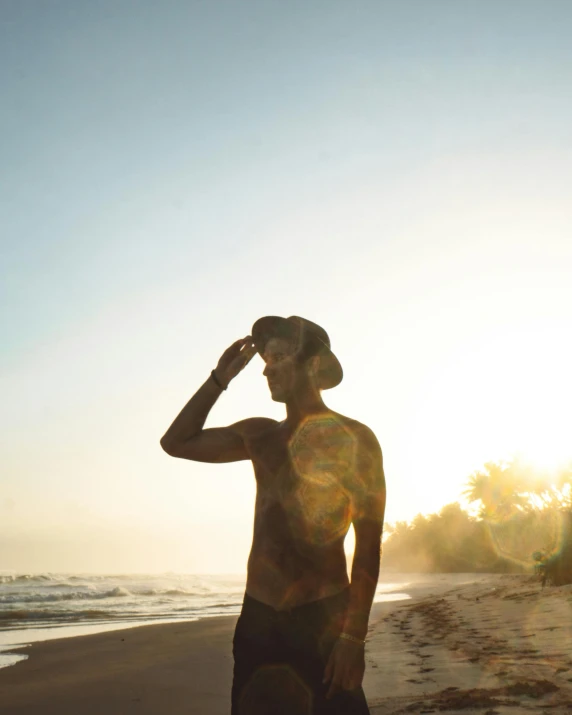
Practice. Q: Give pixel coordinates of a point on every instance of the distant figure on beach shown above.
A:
(300, 638)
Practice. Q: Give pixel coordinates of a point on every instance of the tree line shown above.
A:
(521, 522)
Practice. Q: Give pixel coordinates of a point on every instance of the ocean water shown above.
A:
(57, 599)
(43, 606)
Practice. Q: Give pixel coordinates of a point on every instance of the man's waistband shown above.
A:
(328, 603)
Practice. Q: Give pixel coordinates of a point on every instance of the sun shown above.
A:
(502, 394)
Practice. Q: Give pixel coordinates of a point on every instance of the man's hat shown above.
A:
(311, 339)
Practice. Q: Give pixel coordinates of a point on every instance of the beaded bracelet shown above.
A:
(353, 639)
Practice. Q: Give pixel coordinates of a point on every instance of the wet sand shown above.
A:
(500, 645)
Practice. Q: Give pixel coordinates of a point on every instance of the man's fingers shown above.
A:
(236, 348)
(249, 352)
(233, 350)
(332, 674)
(239, 361)
(328, 671)
(237, 345)
(333, 689)
(246, 355)
(350, 684)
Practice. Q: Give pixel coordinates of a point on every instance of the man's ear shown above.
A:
(314, 365)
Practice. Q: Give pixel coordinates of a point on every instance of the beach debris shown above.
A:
(453, 698)
(534, 689)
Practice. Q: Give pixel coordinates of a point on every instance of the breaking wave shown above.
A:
(52, 599)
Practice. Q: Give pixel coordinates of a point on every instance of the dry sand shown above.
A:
(501, 645)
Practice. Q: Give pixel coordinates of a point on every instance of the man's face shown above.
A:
(282, 370)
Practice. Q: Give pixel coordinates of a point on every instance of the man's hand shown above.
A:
(345, 668)
(234, 359)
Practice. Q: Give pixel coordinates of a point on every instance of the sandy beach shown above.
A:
(496, 645)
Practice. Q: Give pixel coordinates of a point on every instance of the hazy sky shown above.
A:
(399, 172)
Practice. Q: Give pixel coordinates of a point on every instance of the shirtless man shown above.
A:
(299, 641)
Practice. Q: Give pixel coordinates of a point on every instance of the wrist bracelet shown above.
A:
(215, 378)
(353, 639)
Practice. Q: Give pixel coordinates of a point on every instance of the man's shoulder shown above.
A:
(358, 429)
(253, 426)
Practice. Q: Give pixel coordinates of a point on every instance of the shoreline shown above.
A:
(26, 634)
(460, 643)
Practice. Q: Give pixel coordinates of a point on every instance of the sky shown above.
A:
(399, 172)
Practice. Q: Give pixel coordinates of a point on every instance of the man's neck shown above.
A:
(302, 406)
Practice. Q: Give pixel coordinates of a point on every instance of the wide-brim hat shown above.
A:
(310, 338)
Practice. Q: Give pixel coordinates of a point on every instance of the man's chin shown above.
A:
(277, 396)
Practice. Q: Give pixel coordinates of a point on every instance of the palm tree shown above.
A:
(498, 489)
(517, 500)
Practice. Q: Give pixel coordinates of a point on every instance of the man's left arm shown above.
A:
(346, 666)
(369, 497)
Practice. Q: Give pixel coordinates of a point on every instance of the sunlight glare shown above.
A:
(506, 394)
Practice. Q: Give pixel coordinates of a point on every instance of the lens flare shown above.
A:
(323, 453)
(513, 543)
(322, 449)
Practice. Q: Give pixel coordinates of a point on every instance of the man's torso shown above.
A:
(303, 509)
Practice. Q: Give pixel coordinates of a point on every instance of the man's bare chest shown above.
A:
(307, 474)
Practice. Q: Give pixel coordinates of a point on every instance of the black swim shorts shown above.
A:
(280, 658)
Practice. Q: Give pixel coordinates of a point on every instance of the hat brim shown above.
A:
(330, 373)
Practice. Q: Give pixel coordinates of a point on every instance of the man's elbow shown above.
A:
(169, 447)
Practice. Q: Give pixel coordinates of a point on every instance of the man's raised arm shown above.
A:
(186, 437)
